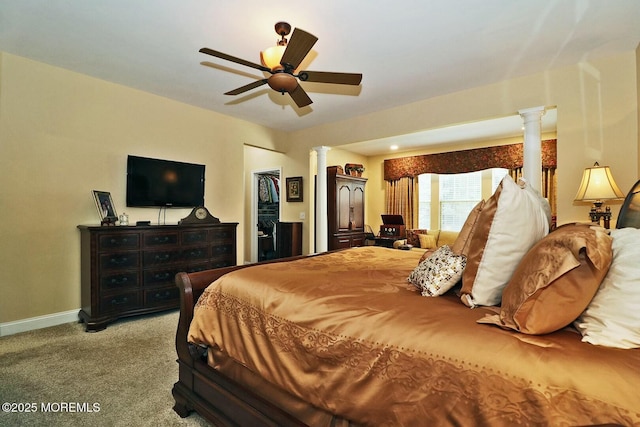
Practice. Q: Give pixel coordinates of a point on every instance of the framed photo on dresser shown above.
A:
(104, 204)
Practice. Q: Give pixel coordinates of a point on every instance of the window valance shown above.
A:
(502, 156)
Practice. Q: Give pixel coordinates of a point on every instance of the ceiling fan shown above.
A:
(282, 68)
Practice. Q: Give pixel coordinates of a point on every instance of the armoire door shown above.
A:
(343, 205)
(357, 203)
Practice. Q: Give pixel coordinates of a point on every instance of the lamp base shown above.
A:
(597, 213)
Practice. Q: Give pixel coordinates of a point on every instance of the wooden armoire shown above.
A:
(345, 209)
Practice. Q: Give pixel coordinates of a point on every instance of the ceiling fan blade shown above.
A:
(329, 77)
(298, 47)
(234, 59)
(300, 97)
(246, 88)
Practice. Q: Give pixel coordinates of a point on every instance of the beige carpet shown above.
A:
(127, 370)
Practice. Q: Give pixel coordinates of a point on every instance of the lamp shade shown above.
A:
(272, 56)
(597, 185)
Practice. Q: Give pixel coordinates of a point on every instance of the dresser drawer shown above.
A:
(223, 261)
(152, 258)
(160, 239)
(194, 237)
(110, 282)
(222, 250)
(195, 254)
(164, 276)
(162, 296)
(120, 241)
(120, 302)
(222, 235)
(119, 261)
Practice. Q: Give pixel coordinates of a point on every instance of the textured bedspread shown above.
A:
(345, 332)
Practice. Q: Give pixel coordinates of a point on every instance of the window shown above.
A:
(456, 195)
(424, 201)
(496, 176)
(459, 193)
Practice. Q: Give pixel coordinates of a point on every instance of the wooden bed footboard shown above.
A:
(203, 389)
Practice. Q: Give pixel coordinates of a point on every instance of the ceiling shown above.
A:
(412, 51)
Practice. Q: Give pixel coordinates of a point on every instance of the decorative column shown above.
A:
(532, 148)
(322, 229)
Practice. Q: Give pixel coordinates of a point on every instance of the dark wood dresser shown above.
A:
(127, 271)
(288, 239)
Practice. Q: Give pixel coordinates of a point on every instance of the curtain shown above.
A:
(402, 199)
(502, 156)
(401, 174)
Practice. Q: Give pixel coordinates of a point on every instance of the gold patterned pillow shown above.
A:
(556, 280)
(440, 272)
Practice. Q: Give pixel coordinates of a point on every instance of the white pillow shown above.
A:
(514, 219)
(612, 318)
(440, 272)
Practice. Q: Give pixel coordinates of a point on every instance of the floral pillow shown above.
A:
(440, 272)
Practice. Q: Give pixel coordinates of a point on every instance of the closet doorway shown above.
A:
(266, 213)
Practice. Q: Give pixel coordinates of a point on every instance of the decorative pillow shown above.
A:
(511, 221)
(438, 273)
(426, 254)
(413, 236)
(461, 245)
(427, 241)
(447, 237)
(612, 318)
(555, 280)
(399, 243)
(434, 233)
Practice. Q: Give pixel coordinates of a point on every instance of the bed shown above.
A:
(343, 338)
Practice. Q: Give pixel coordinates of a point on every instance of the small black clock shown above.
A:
(199, 215)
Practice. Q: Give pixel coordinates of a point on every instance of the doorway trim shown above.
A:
(254, 207)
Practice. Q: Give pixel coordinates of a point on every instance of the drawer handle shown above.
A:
(161, 239)
(123, 240)
(163, 257)
(165, 295)
(120, 301)
(195, 254)
(121, 260)
(119, 280)
(163, 276)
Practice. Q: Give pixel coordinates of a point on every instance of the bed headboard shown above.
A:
(630, 211)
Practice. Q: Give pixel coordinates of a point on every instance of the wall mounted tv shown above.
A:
(165, 183)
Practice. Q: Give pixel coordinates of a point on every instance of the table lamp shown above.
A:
(597, 186)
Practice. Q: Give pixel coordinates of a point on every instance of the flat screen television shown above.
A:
(165, 183)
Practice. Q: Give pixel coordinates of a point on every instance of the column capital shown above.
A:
(532, 113)
(321, 148)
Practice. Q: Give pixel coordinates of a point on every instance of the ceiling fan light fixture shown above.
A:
(282, 82)
(272, 56)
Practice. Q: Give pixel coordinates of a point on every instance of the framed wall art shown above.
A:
(294, 189)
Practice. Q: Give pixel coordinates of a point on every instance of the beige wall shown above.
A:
(597, 105)
(63, 134)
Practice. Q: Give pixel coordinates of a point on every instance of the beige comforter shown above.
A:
(346, 333)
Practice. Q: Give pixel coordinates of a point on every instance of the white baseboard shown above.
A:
(39, 322)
